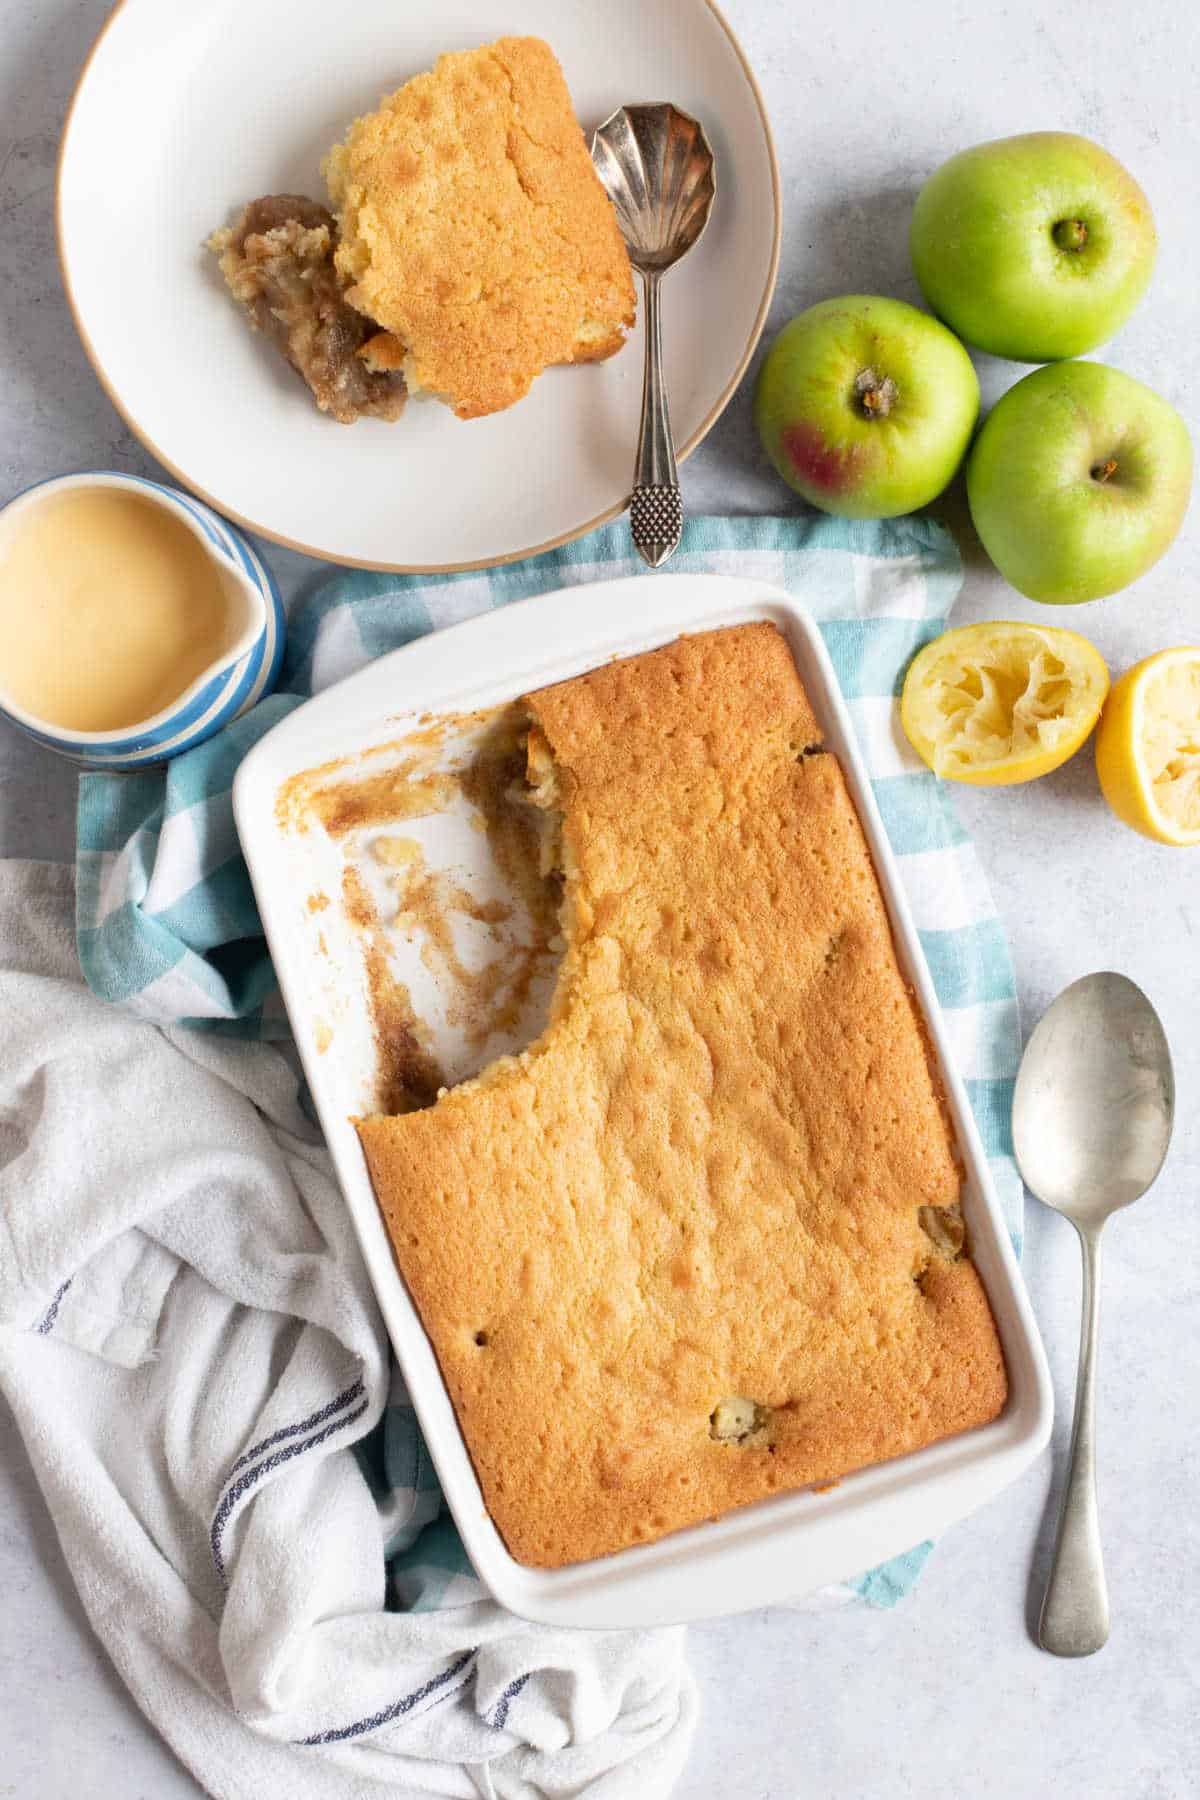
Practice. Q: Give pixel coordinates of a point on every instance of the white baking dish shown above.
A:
(779, 1547)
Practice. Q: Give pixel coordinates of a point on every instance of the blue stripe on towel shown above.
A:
(969, 966)
(342, 1734)
(870, 655)
(915, 815)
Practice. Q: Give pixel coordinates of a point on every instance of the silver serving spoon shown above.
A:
(1092, 1116)
(657, 168)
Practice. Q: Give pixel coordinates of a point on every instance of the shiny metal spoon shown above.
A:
(1092, 1116)
(657, 168)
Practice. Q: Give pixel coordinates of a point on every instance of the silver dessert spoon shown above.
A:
(657, 168)
(1092, 1116)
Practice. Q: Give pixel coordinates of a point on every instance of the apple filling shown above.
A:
(737, 1420)
(278, 263)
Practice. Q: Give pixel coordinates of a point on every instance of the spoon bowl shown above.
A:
(1094, 1100)
(1092, 1115)
(656, 166)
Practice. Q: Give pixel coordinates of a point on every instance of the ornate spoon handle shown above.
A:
(655, 511)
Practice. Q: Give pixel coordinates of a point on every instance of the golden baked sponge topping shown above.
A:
(474, 228)
(701, 1242)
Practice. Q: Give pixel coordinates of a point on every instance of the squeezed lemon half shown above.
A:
(1002, 702)
(1148, 747)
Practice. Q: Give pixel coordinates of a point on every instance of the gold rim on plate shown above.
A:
(450, 568)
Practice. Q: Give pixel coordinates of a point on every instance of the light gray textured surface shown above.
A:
(947, 1695)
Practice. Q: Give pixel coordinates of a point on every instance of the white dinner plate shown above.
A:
(188, 108)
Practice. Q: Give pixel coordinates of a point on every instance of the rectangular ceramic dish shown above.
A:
(779, 1547)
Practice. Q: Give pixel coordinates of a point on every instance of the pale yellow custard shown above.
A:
(110, 607)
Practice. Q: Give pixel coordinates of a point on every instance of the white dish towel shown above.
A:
(189, 1343)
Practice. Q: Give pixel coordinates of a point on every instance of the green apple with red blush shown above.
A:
(866, 405)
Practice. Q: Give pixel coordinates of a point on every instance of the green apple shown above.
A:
(1078, 481)
(866, 406)
(1035, 247)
